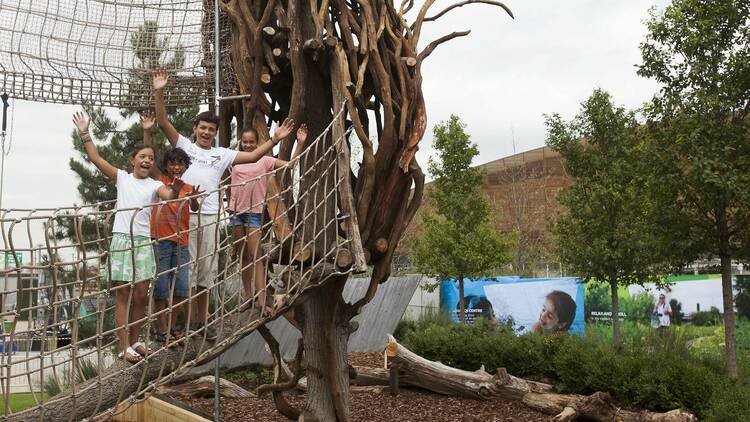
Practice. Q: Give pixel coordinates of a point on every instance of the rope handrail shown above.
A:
(59, 305)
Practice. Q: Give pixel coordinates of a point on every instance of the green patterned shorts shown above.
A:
(122, 255)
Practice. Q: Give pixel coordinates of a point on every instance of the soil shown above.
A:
(409, 405)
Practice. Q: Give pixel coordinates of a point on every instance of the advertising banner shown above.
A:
(529, 304)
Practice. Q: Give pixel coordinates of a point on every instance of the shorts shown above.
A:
(128, 263)
(245, 219)
(173, 260)
(202, 243)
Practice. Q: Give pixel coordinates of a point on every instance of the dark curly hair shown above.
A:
(175, 155)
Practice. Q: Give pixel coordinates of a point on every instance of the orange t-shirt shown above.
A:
(166, 227)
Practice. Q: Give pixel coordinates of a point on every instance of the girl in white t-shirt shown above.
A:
(131, 257)
(246, 199)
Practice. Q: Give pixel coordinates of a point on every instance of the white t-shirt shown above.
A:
(133, 193)
(662, 310)
(206, 168)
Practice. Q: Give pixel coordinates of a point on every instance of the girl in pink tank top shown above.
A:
(246, 201)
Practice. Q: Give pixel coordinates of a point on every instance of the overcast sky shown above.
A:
(500, 80)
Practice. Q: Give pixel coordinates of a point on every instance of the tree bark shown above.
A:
(615, 311)
(730, 325)
(461, 301)
(204, 387)
(325, 334)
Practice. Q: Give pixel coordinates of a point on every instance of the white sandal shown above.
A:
(130, 356)
(140, 348)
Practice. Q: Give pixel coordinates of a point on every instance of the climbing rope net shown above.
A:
(60, 335)
(103, 51)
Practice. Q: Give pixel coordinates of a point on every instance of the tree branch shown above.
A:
(431, 46)
(464, 3)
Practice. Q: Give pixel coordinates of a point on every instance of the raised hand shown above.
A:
(283, 131)
(160, 78)
(82, 121)
(148, 120)
(302, 134)
(177, 185)
(196, 191)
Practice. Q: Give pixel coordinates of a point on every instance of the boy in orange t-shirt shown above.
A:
(169, 226)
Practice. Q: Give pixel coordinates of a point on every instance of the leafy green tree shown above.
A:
(457, 239)
(603, 234)
(699, 129)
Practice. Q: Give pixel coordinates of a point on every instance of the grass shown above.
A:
(21, 401)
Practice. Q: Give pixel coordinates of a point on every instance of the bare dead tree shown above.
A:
(300, 59)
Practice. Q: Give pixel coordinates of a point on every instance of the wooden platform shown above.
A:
(156, 409)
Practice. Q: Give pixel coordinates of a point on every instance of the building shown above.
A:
(523, 190)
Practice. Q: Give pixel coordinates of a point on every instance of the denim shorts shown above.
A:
(169, 255)
(246, 219)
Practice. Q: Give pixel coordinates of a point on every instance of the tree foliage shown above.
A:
(698, 131)
(457, 239)
(604, 232)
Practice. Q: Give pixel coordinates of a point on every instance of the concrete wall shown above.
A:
(377, 319)
(422, 300)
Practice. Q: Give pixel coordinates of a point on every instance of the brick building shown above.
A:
(522, 188)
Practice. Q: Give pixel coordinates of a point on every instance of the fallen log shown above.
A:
(205, 387)
(416, 371)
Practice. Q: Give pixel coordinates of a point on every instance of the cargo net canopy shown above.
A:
(102, 52)
(60, 339)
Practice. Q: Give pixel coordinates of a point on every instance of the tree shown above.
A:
(699, 128)
(603, 233)
(302, 61)
(457, 238)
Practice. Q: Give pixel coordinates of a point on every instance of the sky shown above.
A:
(500, 80)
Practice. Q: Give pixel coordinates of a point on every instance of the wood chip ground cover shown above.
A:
(409, 405)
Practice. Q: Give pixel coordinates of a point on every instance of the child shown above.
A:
(131, 255)
(246, 206)
(208, 166)
(558, 313)
(169, 226)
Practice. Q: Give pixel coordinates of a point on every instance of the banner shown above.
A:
(541, 304)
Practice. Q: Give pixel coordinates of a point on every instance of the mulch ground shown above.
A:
(409, 405)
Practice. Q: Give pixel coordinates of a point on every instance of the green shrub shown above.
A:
(639, 307)
(730, 403)
(706, 318)
(86, 370)
(742, 300)
(648, 371)
(677, 314)
(597, 299)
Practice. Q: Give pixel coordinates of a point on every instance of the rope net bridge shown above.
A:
(102, 52)
(61, 304)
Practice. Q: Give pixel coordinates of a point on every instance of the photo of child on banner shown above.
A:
(546, 305)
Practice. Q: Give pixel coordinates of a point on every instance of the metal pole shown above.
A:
(217, 60)
(4, 97)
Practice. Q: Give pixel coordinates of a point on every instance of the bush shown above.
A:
(87, 370)
(742, 299)
(677, 314)
(730, 403)
(648, 371)
(706, 318)
(597, 299)
(639, 307)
